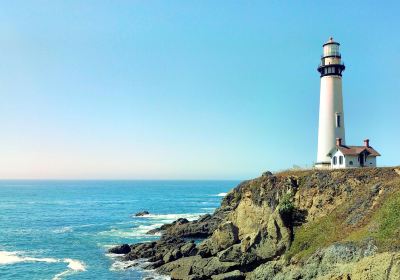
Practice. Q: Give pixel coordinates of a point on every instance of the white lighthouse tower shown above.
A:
(331, 116)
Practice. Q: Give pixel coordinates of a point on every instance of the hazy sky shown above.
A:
(187, 89)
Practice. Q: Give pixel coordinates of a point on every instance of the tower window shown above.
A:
(338, 120)
(334, 160)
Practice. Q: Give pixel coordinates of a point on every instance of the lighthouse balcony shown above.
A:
(331, 69)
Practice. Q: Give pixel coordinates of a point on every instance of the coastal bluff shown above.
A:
(305, 224)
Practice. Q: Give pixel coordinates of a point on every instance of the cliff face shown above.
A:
(342, 224)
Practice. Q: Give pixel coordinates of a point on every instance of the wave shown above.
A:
(73, 265)
(63, 230)
(172, 217)
(14, 257)
(140, 231)
(121, 265)
(8, 258)
(221, 194)
(138, 265)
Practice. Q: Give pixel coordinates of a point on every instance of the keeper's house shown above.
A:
(343, 156)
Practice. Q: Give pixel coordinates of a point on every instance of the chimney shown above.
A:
(338, 141)
(366, 142)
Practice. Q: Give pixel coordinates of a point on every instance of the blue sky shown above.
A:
(187, 89)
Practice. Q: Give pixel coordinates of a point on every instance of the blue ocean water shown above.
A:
(62, 229)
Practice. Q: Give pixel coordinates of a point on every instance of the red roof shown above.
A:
(356, 150)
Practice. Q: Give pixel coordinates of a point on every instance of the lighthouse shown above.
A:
(331, 115)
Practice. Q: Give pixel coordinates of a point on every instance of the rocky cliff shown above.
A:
(314, 224)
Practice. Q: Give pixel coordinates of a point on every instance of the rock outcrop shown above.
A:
(313, 224)
(142, 213)
(200, 228)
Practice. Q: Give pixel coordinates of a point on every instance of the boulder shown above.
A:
(157, 250)
(233, 275)
(141, 250)
(225, 236)
(230, 254)
(201, 228)
(179, 269)
(196, 267)
(189, 249)
(122, 249)
(267, 174)
(214, 266)
(195, 229)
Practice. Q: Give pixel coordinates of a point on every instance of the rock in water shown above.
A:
(142, 213)
(123, 249)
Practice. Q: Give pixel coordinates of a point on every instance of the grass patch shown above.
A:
(310, 237)
(384, 225)
(389, 217)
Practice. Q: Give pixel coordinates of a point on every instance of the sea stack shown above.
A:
(331, 115)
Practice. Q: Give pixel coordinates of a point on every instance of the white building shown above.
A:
(332, 149)
(343, 156)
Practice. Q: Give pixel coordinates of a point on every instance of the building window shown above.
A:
(340, 160)
(337, 120)
(334, 160)
(351, 162)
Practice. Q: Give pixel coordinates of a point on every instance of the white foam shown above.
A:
(7, 258)
(138, 265)
(63, 230)
(172, 217)
(140, 231)
(122, 265)
(107, 246)
(73, 265)
(222, 194)
(14, 257)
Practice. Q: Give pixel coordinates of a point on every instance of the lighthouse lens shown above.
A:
(331, 50)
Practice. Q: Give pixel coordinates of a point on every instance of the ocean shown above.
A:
(62, 229)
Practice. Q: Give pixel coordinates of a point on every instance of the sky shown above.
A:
(187, 89)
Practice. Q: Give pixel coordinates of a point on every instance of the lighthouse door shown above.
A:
(361, 159)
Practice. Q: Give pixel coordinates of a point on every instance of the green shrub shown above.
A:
(286, 208)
